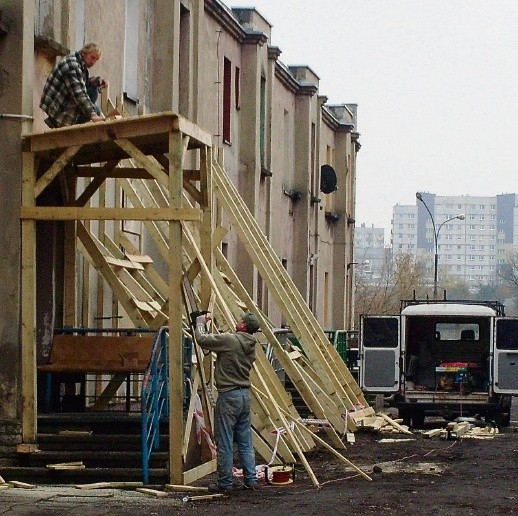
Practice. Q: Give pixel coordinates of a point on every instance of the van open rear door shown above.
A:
(505, 356)
(379, 351)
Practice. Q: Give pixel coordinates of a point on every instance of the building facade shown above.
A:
(272, 130)
(474, 233)
(370, 253)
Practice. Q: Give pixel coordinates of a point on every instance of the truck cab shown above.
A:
(442, 358)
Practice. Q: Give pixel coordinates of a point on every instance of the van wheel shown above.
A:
(418, 419)
(406, 416)
(503, 419)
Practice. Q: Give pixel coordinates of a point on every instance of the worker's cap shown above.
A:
(251, 321)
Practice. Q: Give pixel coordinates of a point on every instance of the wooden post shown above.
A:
(28, 304)
(206, 229)
(175, 350)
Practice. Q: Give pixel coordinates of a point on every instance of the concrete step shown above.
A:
(94, 459)
(94, 442)
(41, 475)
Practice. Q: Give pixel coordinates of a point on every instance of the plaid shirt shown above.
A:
(64, 96)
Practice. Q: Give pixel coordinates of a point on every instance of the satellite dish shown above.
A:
(327, 179)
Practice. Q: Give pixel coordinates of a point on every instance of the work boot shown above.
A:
(215, 488)
(251, 487)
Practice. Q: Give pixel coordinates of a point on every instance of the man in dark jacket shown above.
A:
(235, 356)
(69, 94)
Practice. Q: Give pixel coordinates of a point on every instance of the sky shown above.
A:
(436, 83)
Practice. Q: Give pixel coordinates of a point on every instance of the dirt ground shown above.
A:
(415, 476)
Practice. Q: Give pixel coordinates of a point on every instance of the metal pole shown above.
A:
(436, 263)
(435, 234)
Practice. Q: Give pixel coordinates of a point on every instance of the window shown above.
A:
(237, 87)
(506, 334)
(380, 332)
(472, 227)
(131, 49)
(457, 331)
(227, 94)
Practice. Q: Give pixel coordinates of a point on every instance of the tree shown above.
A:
(508, 272)
(401, 277)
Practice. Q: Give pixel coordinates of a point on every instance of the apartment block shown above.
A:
(470, 234)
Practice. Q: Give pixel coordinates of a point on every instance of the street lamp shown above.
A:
(436, 240)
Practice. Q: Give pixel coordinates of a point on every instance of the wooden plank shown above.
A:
(99, 133)
(118, 172)
(281, 286)
(327, 446)
(101, 403)
(402, 429)
(96, 182)
(27, 448)
(144, 161)
(175, 244)
(288, 297)
(92, 251)
(65, 467)
(202, 498)
(193, 131)
(125, 264)
(295, 374)
(21, 485)
(185, 489)
(198, 472)
(79, 213)
(151, 492)
(189, 421)
(58, 165)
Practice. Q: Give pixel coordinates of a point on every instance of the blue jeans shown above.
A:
(232, 423)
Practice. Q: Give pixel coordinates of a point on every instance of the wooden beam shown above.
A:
(194, 474)
(58, 165)
(94, 185)
(175, 243)
(28, 305)
(97, 258)
(144, 161)
(192, 130)
(115, 173)
(78, 213)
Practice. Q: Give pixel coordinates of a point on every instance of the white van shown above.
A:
(447, 358)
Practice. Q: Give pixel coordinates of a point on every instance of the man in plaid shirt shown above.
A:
(69, 93)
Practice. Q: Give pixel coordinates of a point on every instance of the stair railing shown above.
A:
(154, 399)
